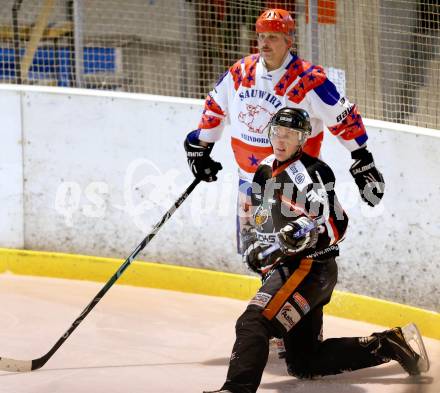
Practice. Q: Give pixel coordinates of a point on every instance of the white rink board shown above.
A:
(11, 171)
(106, 169)
(391, 251)
(101, 168)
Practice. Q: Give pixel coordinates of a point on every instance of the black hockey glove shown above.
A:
(367, 177)
(201, 164)
(290, 245)
(252, 248)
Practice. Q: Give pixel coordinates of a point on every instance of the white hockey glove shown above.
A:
(367, 177)
(289, 244)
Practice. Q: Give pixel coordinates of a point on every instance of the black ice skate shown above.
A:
(406, 346)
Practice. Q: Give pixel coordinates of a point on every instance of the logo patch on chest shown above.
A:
(255, 118)
(261, 216)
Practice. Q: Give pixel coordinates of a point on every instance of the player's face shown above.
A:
(285, 142)
(273, 48)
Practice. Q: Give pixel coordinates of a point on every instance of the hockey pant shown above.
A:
(289, 304)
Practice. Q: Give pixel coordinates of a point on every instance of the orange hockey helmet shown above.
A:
(275, 20)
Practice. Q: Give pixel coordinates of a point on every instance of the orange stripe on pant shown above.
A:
(288, 288)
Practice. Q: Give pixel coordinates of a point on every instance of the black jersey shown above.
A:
(300, 187)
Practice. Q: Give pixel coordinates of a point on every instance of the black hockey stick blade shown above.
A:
(14, 365)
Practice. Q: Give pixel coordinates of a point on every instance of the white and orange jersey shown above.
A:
(248, 95)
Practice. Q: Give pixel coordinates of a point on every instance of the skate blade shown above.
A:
(415, 341)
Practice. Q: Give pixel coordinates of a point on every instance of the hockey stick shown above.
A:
(7, 364)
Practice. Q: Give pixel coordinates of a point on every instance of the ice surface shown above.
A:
(153, 341)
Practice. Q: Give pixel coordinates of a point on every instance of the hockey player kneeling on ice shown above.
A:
(296, 213)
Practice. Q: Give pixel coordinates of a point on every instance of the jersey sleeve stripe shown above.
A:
(212, 115)
(212, 106)
(332, 231)
(208, 122)
(352, 127)
(308, 82)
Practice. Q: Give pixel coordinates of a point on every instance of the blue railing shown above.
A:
(56, 63)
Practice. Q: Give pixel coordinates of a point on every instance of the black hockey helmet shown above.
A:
(294, 118)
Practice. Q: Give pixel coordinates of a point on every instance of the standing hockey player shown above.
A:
(253, 89)
(294, 204)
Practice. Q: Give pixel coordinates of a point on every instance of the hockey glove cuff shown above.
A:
(367, 177)
(201, 164)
